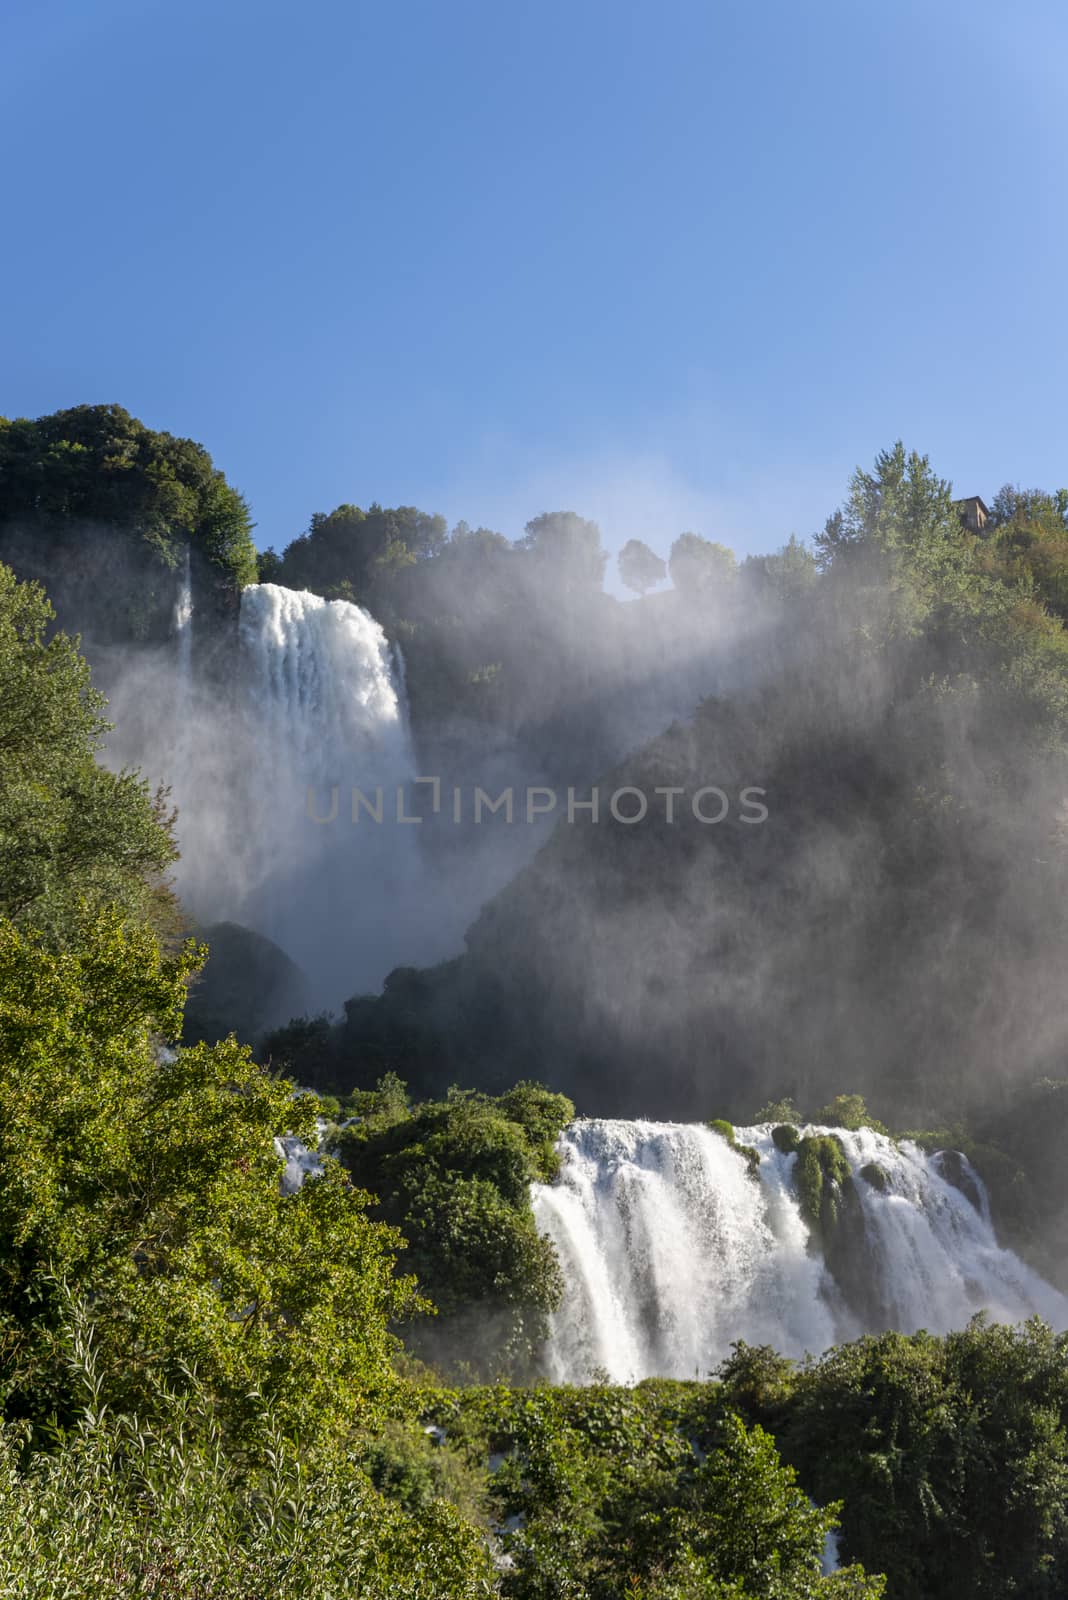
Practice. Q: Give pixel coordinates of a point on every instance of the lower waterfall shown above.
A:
(670, 1251)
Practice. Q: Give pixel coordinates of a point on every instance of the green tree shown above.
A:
(700, 566)
(1026, 540)
(145, 1182)
(611, 1504)
(950, 1456)
(786, 574)
(106, 509)
(70, 830)
(566, 550)
(847, 1111)
(640, 568)
(269, 566)
(347, 553)
(454, 1178)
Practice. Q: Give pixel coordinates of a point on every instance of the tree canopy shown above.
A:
(106, 509)
(700, 566)
(640, 568)
(71, 831)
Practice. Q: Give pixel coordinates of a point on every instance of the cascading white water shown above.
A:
(321, 712)
(311, 702)
(322, 677)
(183, 629)
(670, 1251)
(935, 1259)
(183, 680)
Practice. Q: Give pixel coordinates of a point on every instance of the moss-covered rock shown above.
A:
(821, 1175)
(786, 1138)
(875, 1175)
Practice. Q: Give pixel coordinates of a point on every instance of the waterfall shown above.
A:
(183, 629)
(311, 702)
(321, 679)
(183, 679)
(321, 711)
(670, 1251)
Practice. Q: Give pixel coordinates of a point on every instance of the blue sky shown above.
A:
(670, 265)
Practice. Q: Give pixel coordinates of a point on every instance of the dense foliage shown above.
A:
(454, 1178)
(71, 832)
(951, 1454)
(659, 1492)
(146, 1181)
(104, 510)
(116, 1506)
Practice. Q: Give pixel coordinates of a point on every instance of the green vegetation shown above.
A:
(348, 553)
(640, 568)
(454, 1178)
(780, 1111)
(71, 832)
(700, 566)
(786, 1138)
(950, 1454)
(114, 1506)
(875, 1175)
(659, 1491)
(145, 1182)
(821, 1175)
(847, 1111)
(105, 510)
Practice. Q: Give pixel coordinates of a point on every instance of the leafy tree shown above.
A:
(899, 506)
(614, 1500)
(787, 574)
(1026, 540)
(347, 553)
(145, 1182)
(70, 830)
(106, 509)
(780, 1111)
(700, 566)
(639, 567)
(454, 1177)
(269, 566)
(950, 1455)
(566, 550)
(848, 1111)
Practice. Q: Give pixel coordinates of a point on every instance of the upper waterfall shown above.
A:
(322, 703)
(671, 1251)
(311, 698)
(322, 678)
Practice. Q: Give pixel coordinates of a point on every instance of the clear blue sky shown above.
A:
(671, 265)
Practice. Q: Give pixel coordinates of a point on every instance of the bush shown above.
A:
(454, 1178)
(848, 1111)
